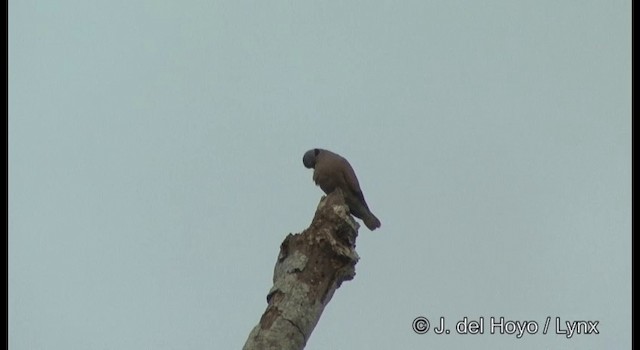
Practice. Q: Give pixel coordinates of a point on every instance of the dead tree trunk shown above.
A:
(310, 267)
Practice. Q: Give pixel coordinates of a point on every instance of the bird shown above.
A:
(332, 171)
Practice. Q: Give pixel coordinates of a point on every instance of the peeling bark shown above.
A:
(310, 267)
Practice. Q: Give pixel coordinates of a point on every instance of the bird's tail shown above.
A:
(371, 221)
(358, 208)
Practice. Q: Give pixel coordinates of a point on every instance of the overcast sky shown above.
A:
(155, 166)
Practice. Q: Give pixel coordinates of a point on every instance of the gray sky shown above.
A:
(155, 166)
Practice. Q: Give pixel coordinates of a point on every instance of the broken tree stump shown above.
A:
(310, 267)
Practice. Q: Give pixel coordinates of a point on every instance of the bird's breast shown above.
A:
(326, 180)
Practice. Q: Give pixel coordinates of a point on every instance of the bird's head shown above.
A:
(309, 158)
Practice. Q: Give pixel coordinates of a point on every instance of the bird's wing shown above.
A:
(352, 182)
